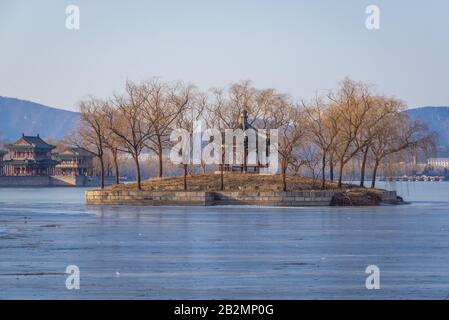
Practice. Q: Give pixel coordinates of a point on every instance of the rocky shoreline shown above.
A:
(239, 189)
(367, 197)
(206, 198)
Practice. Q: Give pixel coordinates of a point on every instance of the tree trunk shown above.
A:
(159, 154)
(373, 179)
(222, 178)
(101, 172)
(284, 181)
(139, 181)
(331, 167)
(331, 170)
(313, 178)
(185, 177)
(323, 173)
(245, 149)
(222, 170)
(363, 168)
(117, 178)
(284, 178)
(340, 174)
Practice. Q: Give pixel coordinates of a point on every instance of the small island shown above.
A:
(240, 189)
(248, 146)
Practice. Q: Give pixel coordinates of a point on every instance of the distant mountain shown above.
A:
(20, 116)
(437, 119)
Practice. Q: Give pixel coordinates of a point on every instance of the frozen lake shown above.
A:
(223, 252)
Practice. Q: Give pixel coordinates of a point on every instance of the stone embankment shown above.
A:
(210, 198)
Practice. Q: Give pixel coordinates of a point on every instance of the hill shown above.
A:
(437, 119)
(21, 116)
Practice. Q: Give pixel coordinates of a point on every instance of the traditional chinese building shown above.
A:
(29, 156)
(74, 161)
(32, 156)
(2, 155)
(246, 166)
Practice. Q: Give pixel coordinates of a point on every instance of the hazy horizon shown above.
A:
(298, 48)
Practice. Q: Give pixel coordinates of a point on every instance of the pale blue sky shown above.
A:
(296, 46)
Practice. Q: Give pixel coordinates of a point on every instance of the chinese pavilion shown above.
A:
(2, 155)
(29, 156)
(245, 166)
(74, 161)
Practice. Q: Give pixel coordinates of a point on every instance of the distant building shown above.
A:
(32, 156)
(2, 155)
(74, 161)
(29, 156)
(438, 162)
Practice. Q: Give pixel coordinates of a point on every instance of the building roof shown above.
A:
(71, 152)
(31, 142)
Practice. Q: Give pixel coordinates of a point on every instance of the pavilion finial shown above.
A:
(244, 119)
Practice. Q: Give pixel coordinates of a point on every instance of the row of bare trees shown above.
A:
(349, 124)
(140, 119)
(352, 123)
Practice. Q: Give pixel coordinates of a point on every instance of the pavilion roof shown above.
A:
(243, 121)
(31, 142)
(71, 152)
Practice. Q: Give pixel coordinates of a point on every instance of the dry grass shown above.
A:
(349, 195)
(233, 182)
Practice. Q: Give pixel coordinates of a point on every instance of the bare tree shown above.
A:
(312, 160)
(395, 134)
(240, 97)
(162, 106)
(291, 136)
(350, 101)
(90, 135)
(202, 112)
(322, 121)
(112, 143)
(379, 109)
(193, 112)
(219, 121)
(125, 120)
